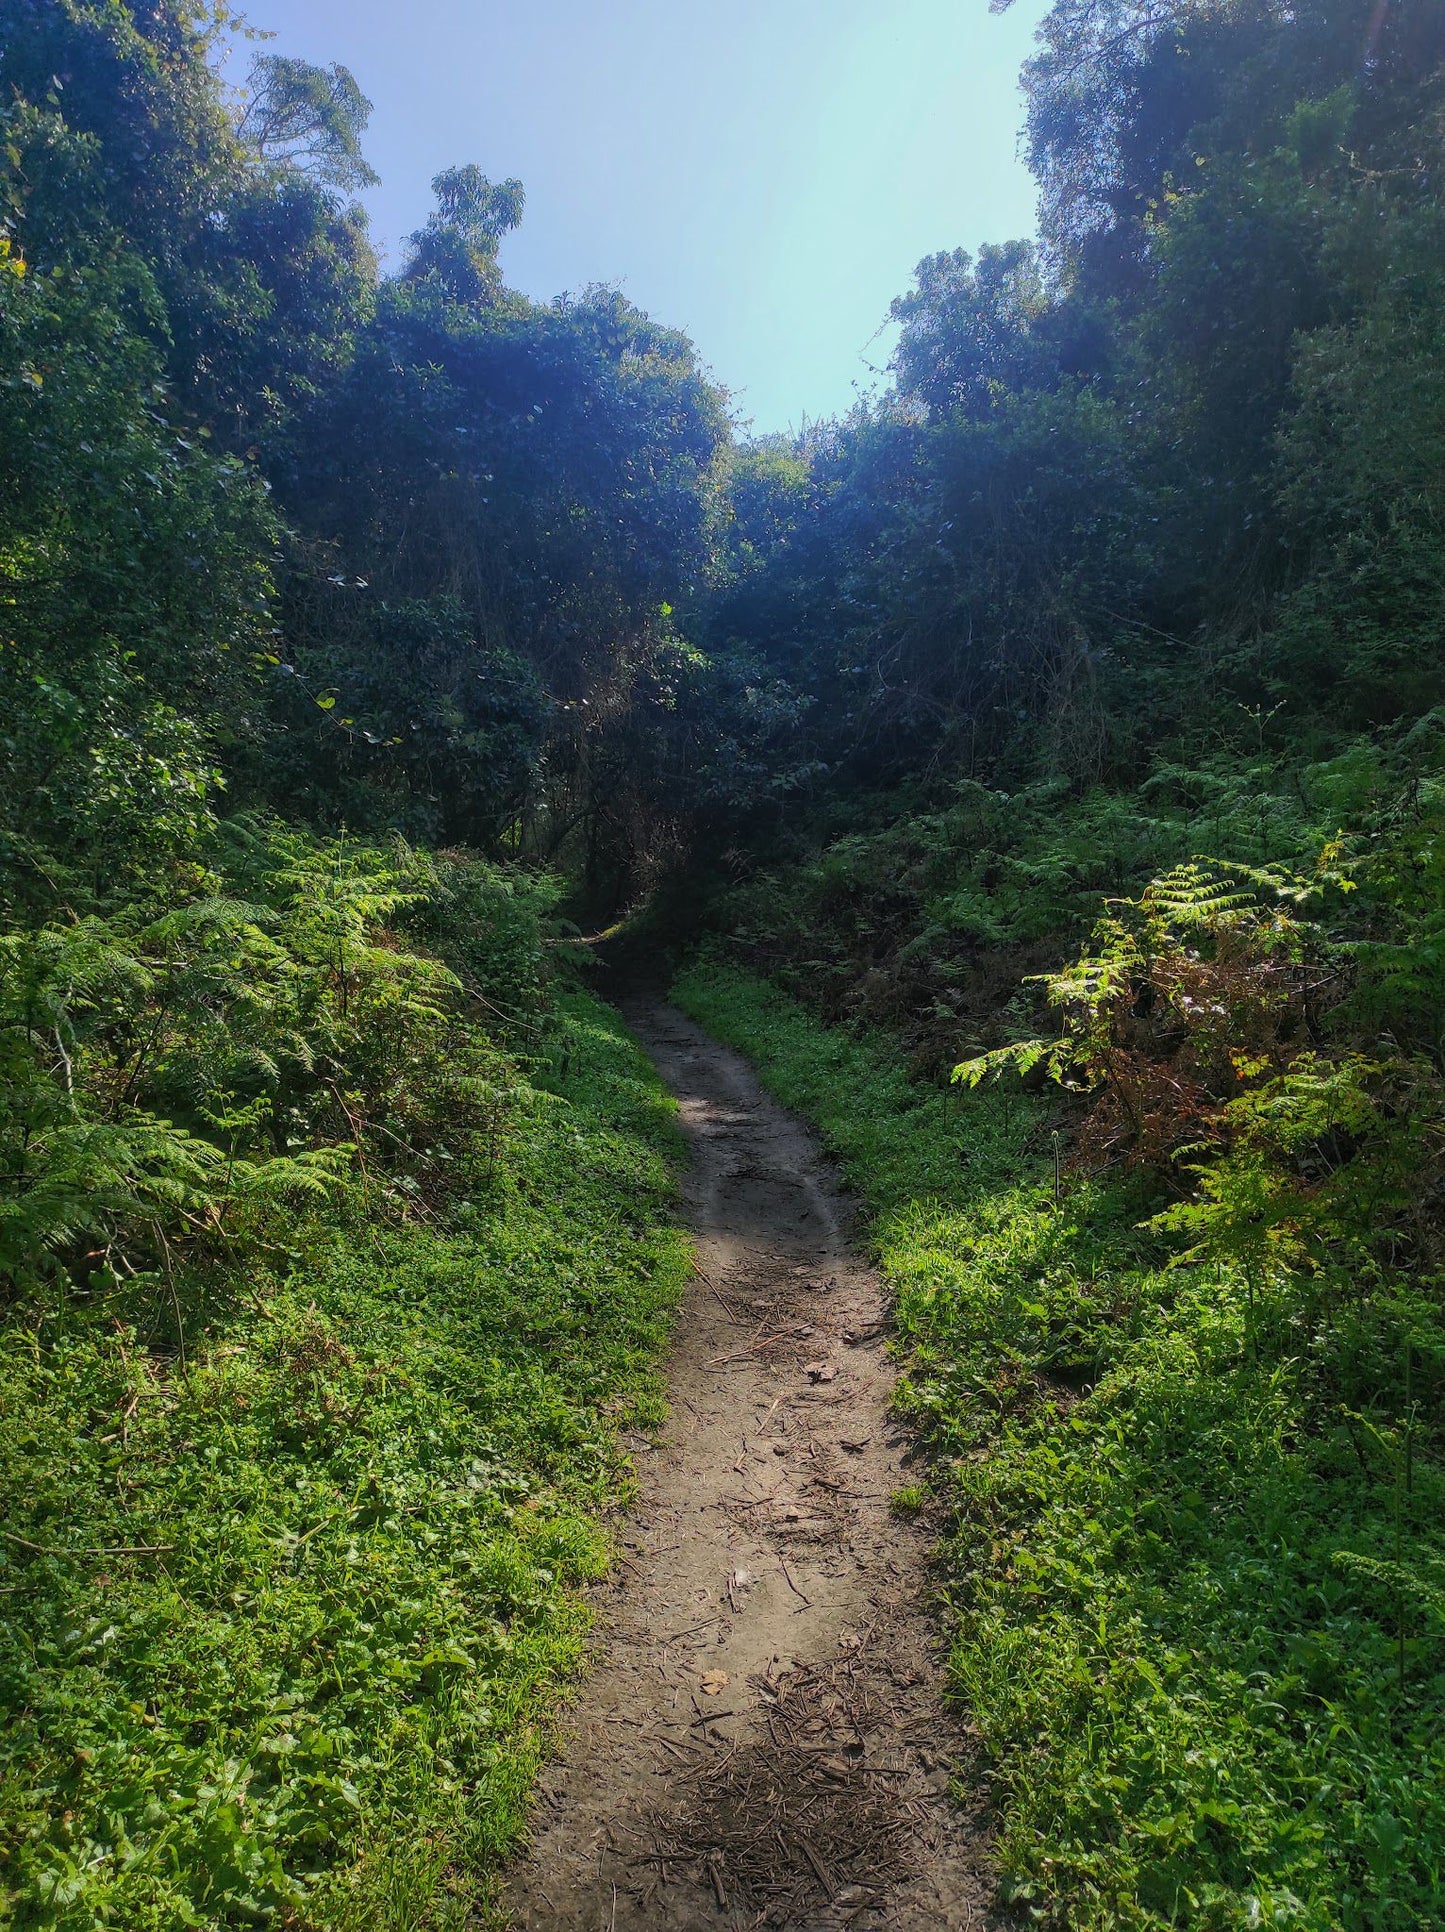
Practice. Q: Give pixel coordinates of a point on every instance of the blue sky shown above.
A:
(762, 173)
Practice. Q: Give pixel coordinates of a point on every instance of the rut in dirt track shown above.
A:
(762, 1740)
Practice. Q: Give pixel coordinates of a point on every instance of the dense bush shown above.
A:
(321, 1312)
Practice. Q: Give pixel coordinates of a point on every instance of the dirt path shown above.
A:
(761, 1742)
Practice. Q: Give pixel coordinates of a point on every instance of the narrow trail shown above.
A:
(762, 1740)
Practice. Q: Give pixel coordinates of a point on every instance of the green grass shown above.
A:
(376, 1496)
(1190, 1709)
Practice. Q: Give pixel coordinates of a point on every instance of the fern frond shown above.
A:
(1200, 895)
(1021, 1057)
(315, 1174)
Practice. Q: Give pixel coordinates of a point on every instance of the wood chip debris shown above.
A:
(806, 1811)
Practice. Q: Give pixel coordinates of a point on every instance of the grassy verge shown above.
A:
(283, 1621)
(1176, 1539)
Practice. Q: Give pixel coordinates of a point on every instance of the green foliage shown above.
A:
(1187, 996)
(1193, 1560)
(335, 1240)
(135, 563)
(397, 717)
(530, 703)
(495, 507)
(167, 1072)
(304, 1453)
(333, 1236)
(457, 250)
(968, 330)
(1181, 455)
(310, 117)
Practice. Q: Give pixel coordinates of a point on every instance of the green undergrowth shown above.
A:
(927, 921)
(1192, 1562)
(284, 1618)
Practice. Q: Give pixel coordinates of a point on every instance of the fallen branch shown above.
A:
(105, 1549)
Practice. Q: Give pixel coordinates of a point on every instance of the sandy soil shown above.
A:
(762, 1740)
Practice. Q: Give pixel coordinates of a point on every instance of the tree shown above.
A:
(309, 118)
(457, 249)
(973, 332)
